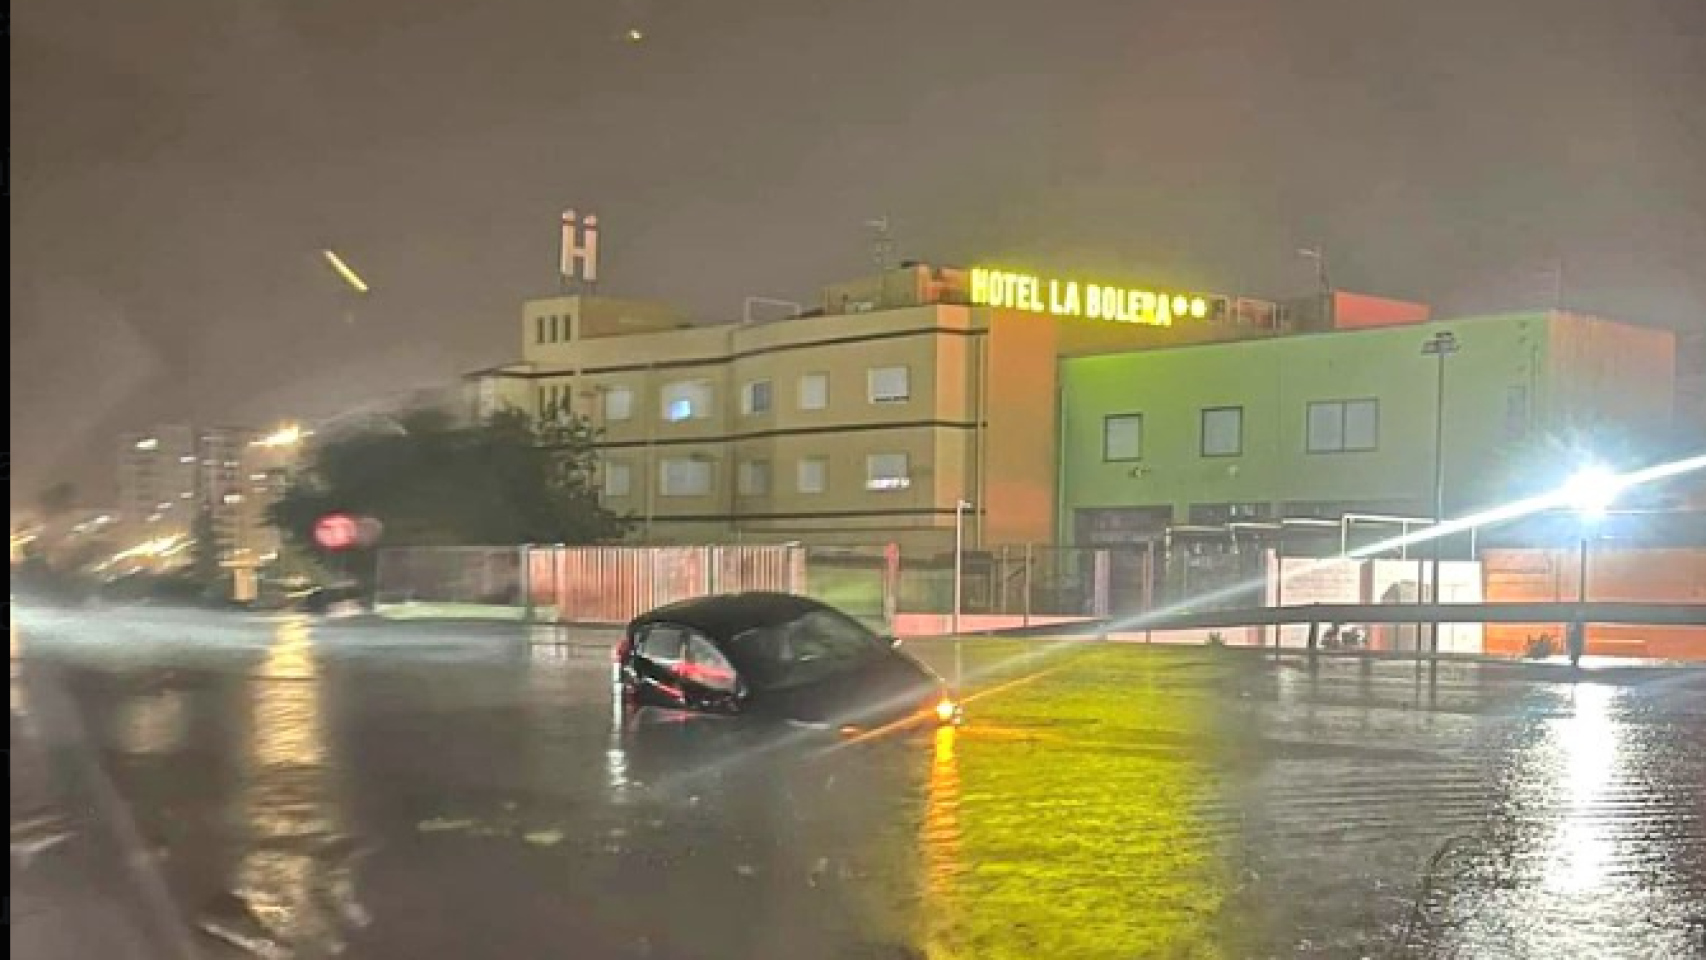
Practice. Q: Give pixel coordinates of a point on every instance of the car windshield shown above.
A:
(803, 650)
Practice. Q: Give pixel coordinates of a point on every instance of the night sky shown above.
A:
(177, 165)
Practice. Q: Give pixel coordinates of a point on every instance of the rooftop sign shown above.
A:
(1073, 298)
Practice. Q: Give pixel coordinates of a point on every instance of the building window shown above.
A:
(552, 399)
(813, 475)
(618, 403)
(887, 471)
(1122, 436)
(1223, 431)
(890, 385)
(618, 479)
(1343, 426)
(684, 477)
(687, 400)
(814, 391)
(755, 397)
(754, 479)
(539, 329)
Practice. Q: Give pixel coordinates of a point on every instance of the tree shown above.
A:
(431, 482)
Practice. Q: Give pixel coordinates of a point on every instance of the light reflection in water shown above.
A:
(294, 873)
(939, 838)
(1588, 744)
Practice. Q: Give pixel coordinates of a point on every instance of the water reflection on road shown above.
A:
(369, 791)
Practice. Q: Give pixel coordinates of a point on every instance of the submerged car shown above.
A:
(779, 656)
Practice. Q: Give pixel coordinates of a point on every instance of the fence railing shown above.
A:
(616, 584)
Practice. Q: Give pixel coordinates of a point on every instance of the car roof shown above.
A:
(720, 617)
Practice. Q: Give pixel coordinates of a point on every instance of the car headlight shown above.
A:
(947, 711)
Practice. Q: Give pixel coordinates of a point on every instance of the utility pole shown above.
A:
(1442, 345)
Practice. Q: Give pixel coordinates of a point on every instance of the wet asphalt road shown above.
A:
(311, 789)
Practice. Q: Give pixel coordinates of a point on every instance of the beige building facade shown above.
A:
(862, 422)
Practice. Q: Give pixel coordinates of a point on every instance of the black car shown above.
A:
(779, 656)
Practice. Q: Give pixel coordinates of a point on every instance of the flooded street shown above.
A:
(304, 789)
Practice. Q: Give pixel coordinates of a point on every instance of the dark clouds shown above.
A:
(176, 165)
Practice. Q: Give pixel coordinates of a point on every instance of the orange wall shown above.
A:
(1614, 372)
(1019, 464)
(1647, 575)
(1354, 311)
(1021, 460)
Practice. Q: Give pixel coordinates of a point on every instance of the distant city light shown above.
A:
(286, 436)
(344, 270)
(148, 443)
(635, 35)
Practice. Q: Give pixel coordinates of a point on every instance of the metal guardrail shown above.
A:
(1593, 612)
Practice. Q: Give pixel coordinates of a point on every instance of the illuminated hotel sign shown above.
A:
(1071, 298)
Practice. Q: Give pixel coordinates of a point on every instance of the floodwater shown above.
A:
(312, 789)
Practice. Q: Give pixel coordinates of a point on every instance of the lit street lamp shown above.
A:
(1441, 345)
(1590, 494)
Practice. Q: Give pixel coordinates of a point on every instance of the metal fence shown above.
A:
(616, 584)
(487, 576)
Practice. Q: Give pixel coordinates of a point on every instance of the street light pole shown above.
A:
(1440, 346)
(1582, 580)
(1590, 493)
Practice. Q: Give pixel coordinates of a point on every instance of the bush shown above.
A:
(1541, 647)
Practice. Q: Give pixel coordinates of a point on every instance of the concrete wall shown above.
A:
(1661, 575)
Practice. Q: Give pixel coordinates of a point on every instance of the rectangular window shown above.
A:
(813, 475)
(1223, 431)
(814, 391)
(618, 403)
(755, 397)
(887, 471)
(1122, 436)
(1343, 426)
(754, 480)
(687, 400)
(539, 329)
(684, 477)
(1362, 424)
(663, 645)
(618, 479)
(890, 385)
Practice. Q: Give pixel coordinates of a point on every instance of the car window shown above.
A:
(663, 645)
(705, 665)
(807, 648)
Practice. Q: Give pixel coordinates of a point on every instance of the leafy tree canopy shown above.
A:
(433, 482)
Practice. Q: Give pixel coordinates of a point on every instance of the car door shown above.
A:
(708, 680)
(659, 651)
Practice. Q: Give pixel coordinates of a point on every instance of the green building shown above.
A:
(1325, 424)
